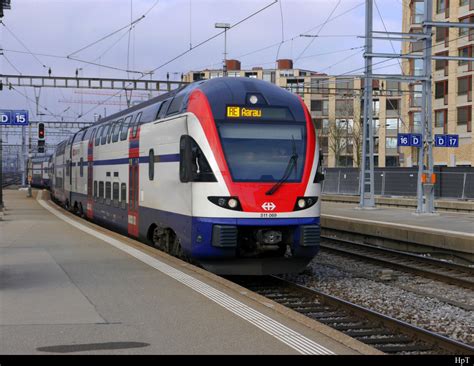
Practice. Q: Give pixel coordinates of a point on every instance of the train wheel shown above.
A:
(160, 239)
(175, 247)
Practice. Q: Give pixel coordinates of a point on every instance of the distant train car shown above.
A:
(38, 169)
(225, 172)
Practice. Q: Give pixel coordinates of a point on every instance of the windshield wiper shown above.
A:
(292, 163)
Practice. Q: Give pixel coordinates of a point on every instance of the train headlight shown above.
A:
(302, 203)
(230, 203)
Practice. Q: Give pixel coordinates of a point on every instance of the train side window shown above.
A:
(95, 190)
(115, 194)
(101, 192)
(125, 128)
(116, 131)
(175, 106)
(105, 132)
(97, 136)
(123, 195)
(136, 124)
(151, 164)
(81, 167)
(164, 109)
(108, 192)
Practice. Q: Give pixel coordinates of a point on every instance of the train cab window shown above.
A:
(81, 167)
(95, 190)
(116, 130)
(115, 194)
(105, 132)
(163, 109)
(125, 128)
(151, 164)
(97, 136)
(108, 192)
(101, 192)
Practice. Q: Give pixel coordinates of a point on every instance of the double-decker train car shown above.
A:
(225, 172)
(38, 169)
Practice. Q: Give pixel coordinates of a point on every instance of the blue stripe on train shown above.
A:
(190, 228)
(166, 158)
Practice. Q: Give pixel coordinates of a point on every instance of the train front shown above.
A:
(254, 165)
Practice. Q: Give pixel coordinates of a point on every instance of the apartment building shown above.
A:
(452, 80)
(336, 105)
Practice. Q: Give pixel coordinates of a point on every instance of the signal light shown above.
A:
(41, 146)
(41, 130)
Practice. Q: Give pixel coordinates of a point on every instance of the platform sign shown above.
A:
(447, 140)
(410, 139)
(15, 117)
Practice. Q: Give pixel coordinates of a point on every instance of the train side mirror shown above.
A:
(319, 177)
(187, 161)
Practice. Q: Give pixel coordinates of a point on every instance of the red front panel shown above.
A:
(252, 195)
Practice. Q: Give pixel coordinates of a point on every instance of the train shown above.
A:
(225, 173)
(38, 169)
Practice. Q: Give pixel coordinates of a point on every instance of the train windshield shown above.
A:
(261, 152)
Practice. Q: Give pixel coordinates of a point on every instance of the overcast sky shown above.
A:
(62, 27)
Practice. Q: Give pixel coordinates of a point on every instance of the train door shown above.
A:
(90, 175)
(133, 179)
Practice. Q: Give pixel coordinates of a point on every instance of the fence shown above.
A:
(400, 182)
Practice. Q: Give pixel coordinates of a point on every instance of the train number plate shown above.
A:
(268, 215)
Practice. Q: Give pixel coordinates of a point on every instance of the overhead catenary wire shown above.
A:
(187, 51)
(320, 29)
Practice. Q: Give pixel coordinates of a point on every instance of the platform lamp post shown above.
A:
(224, 26)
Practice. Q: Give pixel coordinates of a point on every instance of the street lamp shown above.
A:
(224, 26)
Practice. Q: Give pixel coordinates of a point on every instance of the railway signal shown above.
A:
(41, 136)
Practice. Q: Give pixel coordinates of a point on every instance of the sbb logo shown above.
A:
(268, 206)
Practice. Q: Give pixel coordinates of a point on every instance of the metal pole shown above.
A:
(367, 168)
(425, 190)
(225, 52)
(1, 168)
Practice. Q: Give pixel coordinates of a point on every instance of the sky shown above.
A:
(60, 28)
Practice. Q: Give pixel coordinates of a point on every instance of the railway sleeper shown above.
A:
(385, 340)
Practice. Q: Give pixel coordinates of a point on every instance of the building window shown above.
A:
(417, 11)
(465, 86)
(320, 107)
(442, 64)
(392, 124)
(442, 34)
(391, 142)
(344, 108)
(416, 94)
(441, 89)
(441, 119)
(464, 52)
(464, 117)
(392, 104)
(440, 6)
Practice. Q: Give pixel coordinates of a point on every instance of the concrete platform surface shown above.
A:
(69, 286)
(445, 230)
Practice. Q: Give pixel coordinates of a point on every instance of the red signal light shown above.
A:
(41, 131)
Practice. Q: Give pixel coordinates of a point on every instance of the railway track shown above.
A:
(386, 334)
(10, 179)
(447, 272)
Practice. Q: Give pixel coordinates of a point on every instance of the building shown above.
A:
(452, 81)
(336, 106)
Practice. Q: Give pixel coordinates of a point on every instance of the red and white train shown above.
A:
(225, 172)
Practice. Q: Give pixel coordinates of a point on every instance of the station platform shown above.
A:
(402, 228)
(68, 286)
